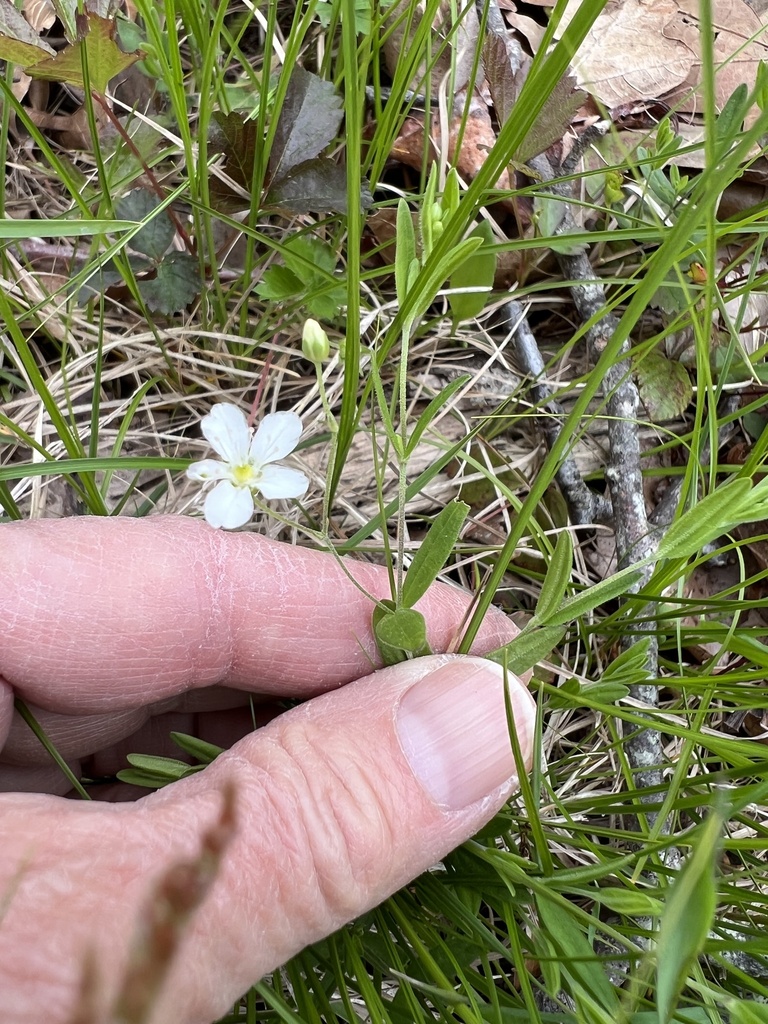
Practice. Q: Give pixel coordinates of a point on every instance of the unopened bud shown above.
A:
(314, 342)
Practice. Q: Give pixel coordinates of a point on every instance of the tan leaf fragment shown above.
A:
(39, 13)
(477, 139)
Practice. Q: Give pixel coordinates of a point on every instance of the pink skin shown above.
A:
(116, 631)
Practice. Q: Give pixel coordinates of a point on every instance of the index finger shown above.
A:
(104, 614)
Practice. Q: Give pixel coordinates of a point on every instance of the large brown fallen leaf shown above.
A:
(644, 50)
(736, 58)
(630, 54)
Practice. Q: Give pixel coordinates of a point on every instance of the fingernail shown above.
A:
(453, 729)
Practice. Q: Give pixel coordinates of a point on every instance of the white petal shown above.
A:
(282, 482)
(277, 436)
(207, 469)
(226, 430)
(228, 506)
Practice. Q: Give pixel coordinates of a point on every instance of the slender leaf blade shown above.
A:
(434, 551)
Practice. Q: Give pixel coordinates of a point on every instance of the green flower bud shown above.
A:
(314, 342)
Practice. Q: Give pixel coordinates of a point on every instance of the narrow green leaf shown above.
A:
(705, 521)
(688, 915)
(580, 604)
(167, 766)
(630, 666)
(427, 213)
(404, 629)
(432, 410)
(200, 749)
(434, 551)
(527, 649)
(60, 227)
(577, 957)
(451, 194)
(605, 692)
(623, 901)
(731, 117)
(405, 249)
(557, 577)
(744, 1011)
(138, 777)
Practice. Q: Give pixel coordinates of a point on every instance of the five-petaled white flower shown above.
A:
(246, 465)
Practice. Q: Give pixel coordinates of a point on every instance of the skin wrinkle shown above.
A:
(6, 710)
(345, 830)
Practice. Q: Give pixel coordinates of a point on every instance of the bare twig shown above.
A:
(584, 507)
(634, 538)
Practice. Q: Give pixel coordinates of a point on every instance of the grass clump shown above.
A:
(163, 244)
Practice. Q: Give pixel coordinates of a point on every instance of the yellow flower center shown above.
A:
(244, 475)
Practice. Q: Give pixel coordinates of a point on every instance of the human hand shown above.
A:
(118, 630)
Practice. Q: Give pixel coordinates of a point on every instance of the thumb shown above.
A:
(341, 802)
(338, 803)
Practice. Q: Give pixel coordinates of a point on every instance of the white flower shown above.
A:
(246, 465)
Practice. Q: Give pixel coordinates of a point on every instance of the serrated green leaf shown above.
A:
(403, 629)
(176, 284)
(203, 751)
(553, 120)
(278, 283)
(665, 387)
(308, 121)
(688, 915)
(105, 59)
(305, 252)
(527, 649)
(477, 271)
(328, 306)
(557, 577)
(154, 238)
(405, 249)
(19, 43)
(434, 551)
(316, 186)
(503, 82)
(237, 137)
